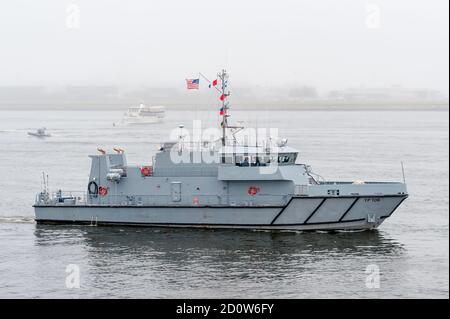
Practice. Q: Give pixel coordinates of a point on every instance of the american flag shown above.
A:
(192, 84)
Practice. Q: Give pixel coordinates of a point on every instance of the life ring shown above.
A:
(253, 190)
(146, 170)
(102, 191)
(93, 192)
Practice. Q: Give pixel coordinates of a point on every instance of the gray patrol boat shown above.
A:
(234, 186)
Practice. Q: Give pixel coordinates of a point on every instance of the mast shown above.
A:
(225, 92)
(223, 76)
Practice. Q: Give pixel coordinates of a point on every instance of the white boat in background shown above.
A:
(144, 114)
(40, 132)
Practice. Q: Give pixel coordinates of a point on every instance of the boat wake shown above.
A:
(9, 131)
(16, 220)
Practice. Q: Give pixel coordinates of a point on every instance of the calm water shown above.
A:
(411, 249)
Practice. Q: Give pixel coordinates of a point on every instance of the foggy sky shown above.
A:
(330, 44)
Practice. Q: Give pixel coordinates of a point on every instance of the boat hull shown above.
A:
(38, 135)
(142, 120)
(301, 213)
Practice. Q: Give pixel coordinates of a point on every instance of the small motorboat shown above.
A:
(41, 132)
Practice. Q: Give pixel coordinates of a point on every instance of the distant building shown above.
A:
(395, 93)
(91, 92)
(304, 92)
(151, 93)
(21, 92)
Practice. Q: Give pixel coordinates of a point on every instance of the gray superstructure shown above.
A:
(223, 185)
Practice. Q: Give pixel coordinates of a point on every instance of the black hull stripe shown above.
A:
(395, 208)
(315, 210)
(348, 209)
(281, 211)
(101, 223)
(150, 206)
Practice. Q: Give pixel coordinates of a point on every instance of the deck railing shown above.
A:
(81, 198)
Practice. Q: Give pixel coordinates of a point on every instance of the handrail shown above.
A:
(349, 183)
(82, 198)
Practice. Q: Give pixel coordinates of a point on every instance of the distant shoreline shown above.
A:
(241, 106)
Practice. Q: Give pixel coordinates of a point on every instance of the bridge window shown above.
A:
(286, 158)
(228, 159)
(283, 159)
(263, 159)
